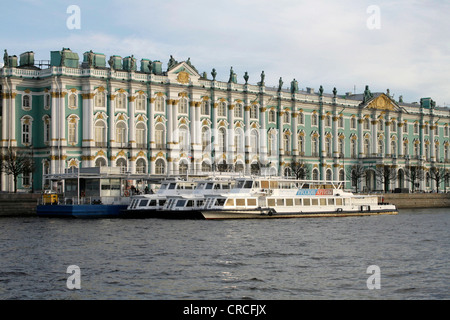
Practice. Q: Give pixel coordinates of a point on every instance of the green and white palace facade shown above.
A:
(121, 112)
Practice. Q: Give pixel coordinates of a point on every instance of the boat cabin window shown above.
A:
(220, 202)
(280, 202)
(289, 202)
(240, 202)
(339, 202)
(229, 203)
(181, 203)
(315, 202)
(307, 202)
(209, 186)
(298, 202)
(323, 202)
(152, 203)
(172, 186)
(271, 202)
(251, 202)
(163, 186)
(143, 203)
(200, 203)
(247, 184)
(331, 202)
(190, 203)
(162, 202)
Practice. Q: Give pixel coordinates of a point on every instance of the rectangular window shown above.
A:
(251, 202)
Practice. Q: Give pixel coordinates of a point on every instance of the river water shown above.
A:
(293, 259)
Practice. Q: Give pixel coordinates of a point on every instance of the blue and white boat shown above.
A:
(98, 192)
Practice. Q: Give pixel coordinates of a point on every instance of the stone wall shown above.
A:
(418, 200)
(18, 205)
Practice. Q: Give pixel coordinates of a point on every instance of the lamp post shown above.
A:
(78, 182)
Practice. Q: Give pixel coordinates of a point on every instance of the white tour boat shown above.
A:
(156, 205)
(276, 198)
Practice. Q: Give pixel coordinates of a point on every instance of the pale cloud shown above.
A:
(317, 42)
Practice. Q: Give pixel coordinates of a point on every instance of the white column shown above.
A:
(112, 124)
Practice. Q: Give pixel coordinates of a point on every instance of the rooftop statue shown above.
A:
(6, 59)
(246, 77)
(294, 86)
(111, 62)
(280, 84)
(150, 67)
(367, 95)
(233, 77)
(172, 63)
(91, 58)
(263, 76)
(334, 92)
(321, 91)
(214, 74)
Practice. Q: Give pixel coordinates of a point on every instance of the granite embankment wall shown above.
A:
(18, 205)
(24, 204)
(418, 200)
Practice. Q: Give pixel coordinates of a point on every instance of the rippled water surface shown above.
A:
(321, 258)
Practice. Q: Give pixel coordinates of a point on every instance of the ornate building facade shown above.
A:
(176, 122)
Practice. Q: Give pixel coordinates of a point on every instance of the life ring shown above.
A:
(339, 210)
(271, 212)
(126, 193)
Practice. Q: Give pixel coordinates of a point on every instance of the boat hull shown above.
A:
(80, 211)
(255, 214)
(245, 214)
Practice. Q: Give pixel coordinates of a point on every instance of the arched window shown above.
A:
(353, 148)
(366, 147)
(140, 103)
(100, 162)
(341, 175)
(353, 123)
(72, 101)
(100, 133)
(254, 112)
(315, 174)
(328, 146)
(301, 145)
(184, 138)
(141, 166)
(160, 166)
(26, 102)
(141, 135)
(380, 146)
(183, 106)
(205, 108)
(121, 101)
(159, 104)
(183, 167)
(286, 117)
(121, 134)
(301, 118)
(100, 99)
(222, 111)
(222, 140)
(314, 119)
(287, 143)
(160, 136)
(239, 140)
(329, 175)
(122, 164)
(206, 139)
(366, 124)
(272, 116)
(238, 110)
(254, 141)
(393, 148)
(314, 146)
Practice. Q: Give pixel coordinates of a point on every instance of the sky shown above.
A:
(403, 46)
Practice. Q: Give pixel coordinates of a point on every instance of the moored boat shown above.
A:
(276, 198)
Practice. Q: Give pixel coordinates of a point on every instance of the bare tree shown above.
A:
(17, 163)
(438, 175)
(385, 174)
(414, 174)
(300, 170)
(355, 174)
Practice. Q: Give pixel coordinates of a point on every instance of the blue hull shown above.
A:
(80, 211)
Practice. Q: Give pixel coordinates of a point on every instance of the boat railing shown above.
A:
(85, 201)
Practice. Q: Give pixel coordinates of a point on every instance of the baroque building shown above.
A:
(148, 121)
